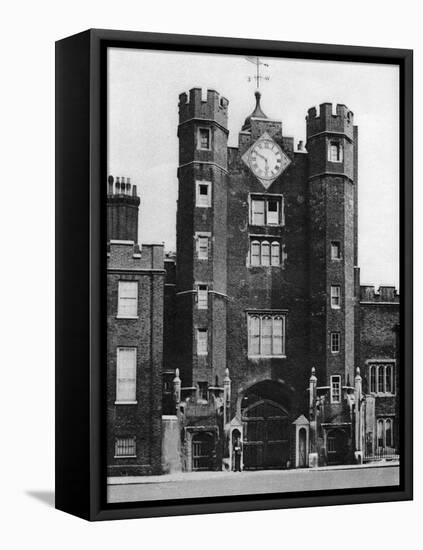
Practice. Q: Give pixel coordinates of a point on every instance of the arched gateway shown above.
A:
(266, 426)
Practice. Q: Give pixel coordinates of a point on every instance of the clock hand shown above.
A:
(260, 155)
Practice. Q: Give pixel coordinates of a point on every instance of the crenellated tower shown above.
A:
(332, 184)
(201, 240)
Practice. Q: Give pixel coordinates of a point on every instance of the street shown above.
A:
(208, 484)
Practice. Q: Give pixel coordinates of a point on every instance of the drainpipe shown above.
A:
(313, 457)
(358, 453)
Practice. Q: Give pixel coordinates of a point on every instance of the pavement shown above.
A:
(211, 484)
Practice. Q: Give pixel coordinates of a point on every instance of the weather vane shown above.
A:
(257, 77)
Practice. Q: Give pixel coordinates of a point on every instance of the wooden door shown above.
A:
(266, 442)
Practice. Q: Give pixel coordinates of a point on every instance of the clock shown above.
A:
(266, 160)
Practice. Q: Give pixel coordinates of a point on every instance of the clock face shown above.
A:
(266, 159)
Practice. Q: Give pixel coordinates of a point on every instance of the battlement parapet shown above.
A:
(192, 106)
(326, 121)
(385, 294)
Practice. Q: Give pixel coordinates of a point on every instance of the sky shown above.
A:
(143, 91)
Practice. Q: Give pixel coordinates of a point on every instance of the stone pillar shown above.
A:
(313, 457)
(358, 452)
(177, 388)
(226, 398)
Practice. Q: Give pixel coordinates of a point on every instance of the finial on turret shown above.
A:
(257, 113)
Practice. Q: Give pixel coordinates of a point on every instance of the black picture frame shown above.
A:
(80, 273)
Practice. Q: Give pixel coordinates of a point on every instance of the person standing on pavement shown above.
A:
(238, 454)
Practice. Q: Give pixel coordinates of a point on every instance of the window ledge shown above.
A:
(127, 317)
(125, 456)
(266, 356)
(126, 402)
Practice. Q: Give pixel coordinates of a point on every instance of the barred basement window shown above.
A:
(125, 447)
(266, 210)
(127, 299)
(265, 253)
(381, 378)
(266, 335)
(335, 389)
(335, 342)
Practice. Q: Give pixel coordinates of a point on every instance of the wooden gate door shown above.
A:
(266, 442)
(337, 446)
(202, 451)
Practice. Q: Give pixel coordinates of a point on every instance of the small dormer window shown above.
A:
(335, 151)
(204, 139)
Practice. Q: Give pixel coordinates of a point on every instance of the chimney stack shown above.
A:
(122, 210)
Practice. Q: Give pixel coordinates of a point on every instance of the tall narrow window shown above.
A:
(255, 253)
(335, 151)
(265, 253)
(389, 379)
(335, 342)
(257, 212)
(372, 370)
(204, 138)
(266, 336)
(254, 335)
(380, 434)
(335, 389)
(127, 299)
(126, 369)
(388, 433)
(125, 447)
(335, 250)
(335, 296)
(273, 212)
(277, 334)
(276, 253)
(202, 294)
(203, 194)
(381, 379)
(202, 341)
(203, 247)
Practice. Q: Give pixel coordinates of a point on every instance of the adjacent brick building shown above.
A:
(135, 294)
